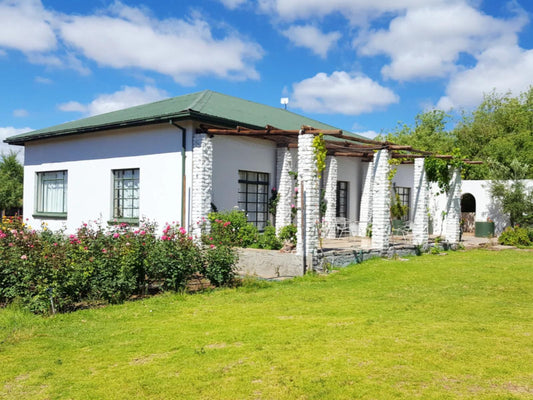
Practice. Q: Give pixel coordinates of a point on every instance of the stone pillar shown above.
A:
(365, 211)
(381, 202)
(311, 195)
(285, 188)
(420, 204)
(453, 208)
(329, 222)
(202, 184)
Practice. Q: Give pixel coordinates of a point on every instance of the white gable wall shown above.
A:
(90, 159)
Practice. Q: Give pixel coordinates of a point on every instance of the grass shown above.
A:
(432, 327)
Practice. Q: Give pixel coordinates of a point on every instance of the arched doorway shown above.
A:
(468, 212)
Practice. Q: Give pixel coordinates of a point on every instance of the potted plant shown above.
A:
(398, 211)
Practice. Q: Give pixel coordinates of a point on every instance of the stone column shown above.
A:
(420, 204)
(202, 184)
(365, 210)
(311, 195)
(285, 188)
(381, 202)
(453, 208)
(330, 196)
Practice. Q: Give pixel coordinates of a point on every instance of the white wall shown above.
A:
(231, 154)
(349, 169)
(486, 207)
(90, 159)
(405, 178)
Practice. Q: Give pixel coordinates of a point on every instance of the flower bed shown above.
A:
(109, 264)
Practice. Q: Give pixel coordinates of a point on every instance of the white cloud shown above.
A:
(178, 48)
(20, 113)
(6, 148)
(357, 11)
(426, 42)
(341, 93)
(369, 134)
(312, 38)
(501, 68)
(127, 97)
(43, 80)
(233, 4)
(25, 26)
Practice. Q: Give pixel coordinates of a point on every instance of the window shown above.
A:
(342, 199)
(126, 194)
(405, 195)
(52, 193)
(253, 197)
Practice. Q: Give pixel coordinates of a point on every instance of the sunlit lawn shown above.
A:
(432, 327)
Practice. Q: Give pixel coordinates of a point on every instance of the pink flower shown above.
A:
(24, 257)
(104, 251)
(292, 206)
(227, 223)
(85, 248)
(212, 246)
(296, 190)
(116, 235)
(143, 232)
(55, 244)
(183, 231)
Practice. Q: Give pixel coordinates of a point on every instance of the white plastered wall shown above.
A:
(349, 169)
(231, 154)
(90, 159)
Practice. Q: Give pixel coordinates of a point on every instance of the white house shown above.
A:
(173, 160)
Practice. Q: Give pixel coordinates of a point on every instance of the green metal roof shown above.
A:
(205, 106)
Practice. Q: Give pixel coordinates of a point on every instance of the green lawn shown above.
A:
(432, 327)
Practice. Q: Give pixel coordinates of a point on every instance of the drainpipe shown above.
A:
(183, 175)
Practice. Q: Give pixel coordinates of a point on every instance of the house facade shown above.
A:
(175, 160)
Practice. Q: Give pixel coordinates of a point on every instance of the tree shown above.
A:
(11, 182)
(429, 133)
(500, 129)
(512, 193)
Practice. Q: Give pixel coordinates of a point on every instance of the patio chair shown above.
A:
(405, 230)
(343, 227)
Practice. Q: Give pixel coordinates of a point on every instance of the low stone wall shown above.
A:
(343, 258)
(269, 263)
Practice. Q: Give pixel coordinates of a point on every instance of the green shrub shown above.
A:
(516, 236)
(288, 233)
(230, 228)
(268, 239)
(219, 264)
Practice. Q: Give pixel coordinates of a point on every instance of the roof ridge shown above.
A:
(205, 93)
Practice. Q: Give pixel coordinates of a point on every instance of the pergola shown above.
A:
(375, 200)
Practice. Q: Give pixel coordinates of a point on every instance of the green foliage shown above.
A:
(11, 182)
(397, 209)
(516, 236)
(219, 265)
(320, 152)
(99, 264)
(429, 133)
(439, 170)
(501, 129)
(268, 239)
(230, 228)
(288, 233)
(273, 201)
(511, 193)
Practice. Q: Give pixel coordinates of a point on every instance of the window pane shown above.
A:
(253, 196)
(52, 192)
(126, 193)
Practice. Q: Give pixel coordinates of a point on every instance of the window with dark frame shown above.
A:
(253, 197)
(126, 193)
(342, 199)
(405, 198)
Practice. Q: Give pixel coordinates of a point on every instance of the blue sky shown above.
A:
(361, 65)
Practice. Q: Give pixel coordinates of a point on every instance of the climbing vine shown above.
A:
(393, 162)
(320, 151)
(438, 170)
